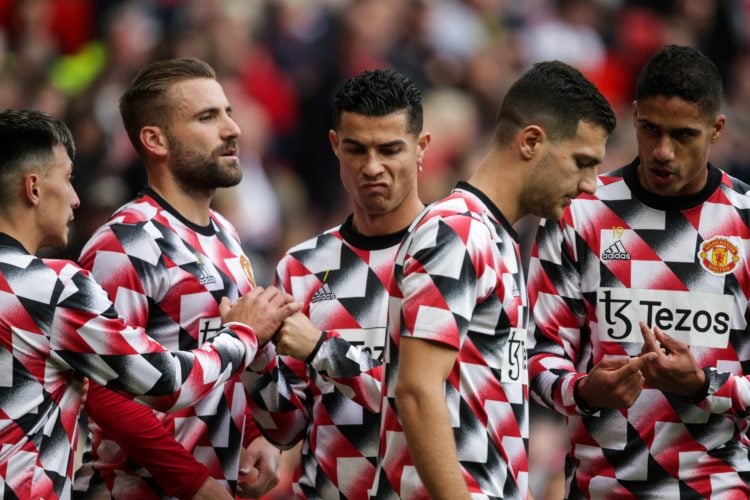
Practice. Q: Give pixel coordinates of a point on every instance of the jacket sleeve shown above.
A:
(146, 441)
(558, 317)
(86, 334)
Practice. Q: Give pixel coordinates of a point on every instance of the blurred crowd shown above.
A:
(280, 62)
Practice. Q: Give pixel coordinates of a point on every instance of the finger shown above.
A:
(635, 365)
(612, 363)
(665, 340)
(649, 339)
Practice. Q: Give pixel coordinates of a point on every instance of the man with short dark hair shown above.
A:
(340, 276)
(664, 242)
(455, 391)
(55, 320)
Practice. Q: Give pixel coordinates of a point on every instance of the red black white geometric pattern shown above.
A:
(680, 263)
(56, 321)
(458, 281)
(168, 275)
(331, 404)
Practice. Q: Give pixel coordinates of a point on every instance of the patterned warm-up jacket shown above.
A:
(168, 276)
(57, 322)
(458, 281)
(331, 402)
(678, 263)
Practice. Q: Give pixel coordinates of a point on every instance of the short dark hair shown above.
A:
(28, 137)
(380, 93)
(146, 101)
(555, 96)
(683, 72)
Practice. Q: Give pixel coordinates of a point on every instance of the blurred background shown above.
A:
(281, 62)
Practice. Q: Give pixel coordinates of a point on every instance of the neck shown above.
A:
(500, 179)
(21, 226)
(379, 224)
(193, 206)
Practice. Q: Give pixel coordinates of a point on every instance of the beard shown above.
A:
(198, 173)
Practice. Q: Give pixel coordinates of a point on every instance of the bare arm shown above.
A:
(424, 367)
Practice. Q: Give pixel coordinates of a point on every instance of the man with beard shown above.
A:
(166, 260)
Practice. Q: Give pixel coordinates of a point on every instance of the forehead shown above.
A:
(355, 125)
(590, 140)
(60, 159)
(192, 96)
(671, 112)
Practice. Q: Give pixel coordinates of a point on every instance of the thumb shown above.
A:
(224, 306)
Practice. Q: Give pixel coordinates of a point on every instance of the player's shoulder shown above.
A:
(314, 242)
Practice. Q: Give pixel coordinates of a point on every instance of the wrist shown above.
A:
(581, 403)
(321, 339)
(701, 393)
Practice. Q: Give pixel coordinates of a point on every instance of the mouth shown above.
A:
(374, 185)
(661, 175)
(230, 152)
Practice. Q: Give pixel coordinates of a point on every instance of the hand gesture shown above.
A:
(262, 309)
(259, 469)
(674, 369)
(297, 337)
(614, 382)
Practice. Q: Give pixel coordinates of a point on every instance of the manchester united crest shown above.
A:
(719, 255)
(245, 263)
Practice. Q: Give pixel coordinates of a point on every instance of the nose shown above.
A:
(588, 181)
(75, 202)
(231, 130)
(373, 166)
(664, 149)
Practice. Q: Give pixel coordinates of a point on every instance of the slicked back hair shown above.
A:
(556, 97)
(683, 72)
(28, 138)
(380, 93)
(146, 101)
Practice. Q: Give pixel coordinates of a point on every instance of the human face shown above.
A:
(57, 199)
(673, 142)
(566, 169)
(202, 137)
(378, 162)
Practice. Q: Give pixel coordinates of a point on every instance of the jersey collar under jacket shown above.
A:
(493, 208)
(359, 240)
(208, 230)
(8, 241)
(667, 203)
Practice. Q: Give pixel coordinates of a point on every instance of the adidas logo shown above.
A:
(616, 251)
(206, 278)
(323, 293)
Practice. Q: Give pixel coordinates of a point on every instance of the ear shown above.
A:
(32, 188)
(530, 140)
(154, 140)
(422, 144)
(333, 138)
(718, 128)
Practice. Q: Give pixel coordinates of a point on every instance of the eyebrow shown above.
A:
(587, 160)
(213, 110)
(396, 142)
(690, 130)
